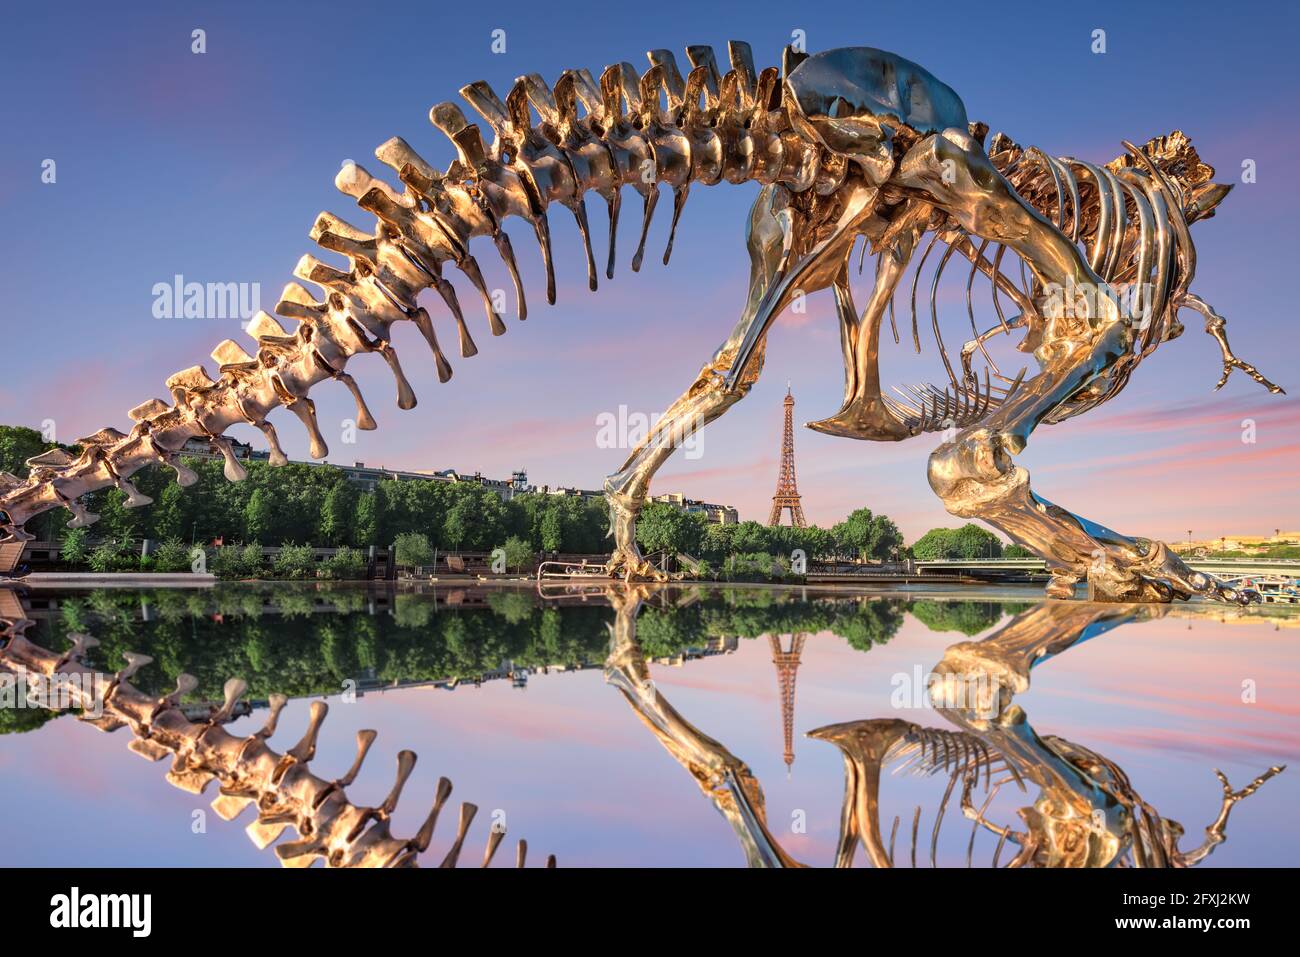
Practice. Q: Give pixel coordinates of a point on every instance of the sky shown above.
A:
(213, 166)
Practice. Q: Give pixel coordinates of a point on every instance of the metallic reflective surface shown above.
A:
(850, 144)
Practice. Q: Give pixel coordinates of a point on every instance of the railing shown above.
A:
(582, 569)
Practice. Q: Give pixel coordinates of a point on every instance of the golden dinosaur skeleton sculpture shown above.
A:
(281, 787)
(1086, 813)
(847, 144)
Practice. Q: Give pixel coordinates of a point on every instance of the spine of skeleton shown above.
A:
(281, 787)
(715, 127)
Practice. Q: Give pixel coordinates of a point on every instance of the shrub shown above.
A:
(75, 547)
(294, 561)
(114, 555)
(172, 556)
(346, 563)
(518, 553)
(237, 561)
(758, 567)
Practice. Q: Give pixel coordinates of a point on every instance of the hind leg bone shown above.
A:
(707, 398)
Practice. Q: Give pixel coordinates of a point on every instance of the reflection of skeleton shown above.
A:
(1087, 813)
(281, 787)
(847, 144)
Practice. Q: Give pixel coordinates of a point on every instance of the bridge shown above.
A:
(1219, 567)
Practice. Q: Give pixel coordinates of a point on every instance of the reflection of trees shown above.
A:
(296, 652)
(314, 639)
(967, 617)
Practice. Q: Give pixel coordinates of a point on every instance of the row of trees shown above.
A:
(303, 504)
(664, 528)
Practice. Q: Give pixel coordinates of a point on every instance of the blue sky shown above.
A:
(213, 166)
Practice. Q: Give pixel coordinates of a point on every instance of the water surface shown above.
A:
(612, 729)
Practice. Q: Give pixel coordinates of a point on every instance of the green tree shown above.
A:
(975, 542)
(458, 526)
(18, 444)
(337, 513)
(413, 548)
(552, 530)
(170, 513)
(257, 516)
(519, 553)
(665, 528)
(369, 519)
(968, 542)
(74, 548)
(934, 545)
(864, 535)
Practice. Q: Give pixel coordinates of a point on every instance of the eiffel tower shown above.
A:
(787, 664)
(787, 490)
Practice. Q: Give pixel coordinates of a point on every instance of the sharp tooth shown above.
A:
(405, 394)
(365, 421)
(305, 409)
(508, 257)
(425, 325)
(679, 200)
(651, 200)
(580, 214)
(469, 266)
